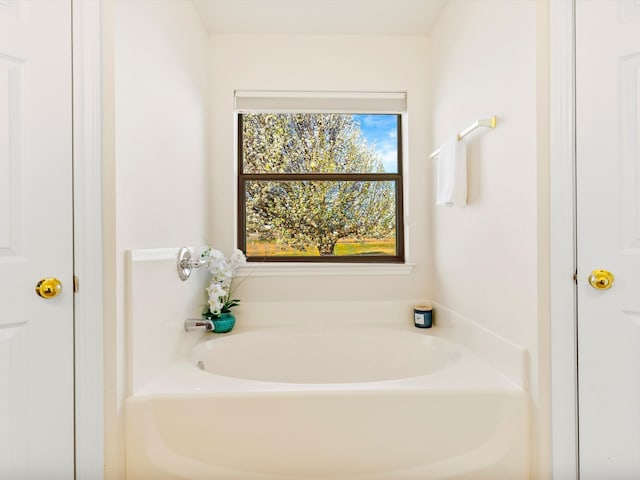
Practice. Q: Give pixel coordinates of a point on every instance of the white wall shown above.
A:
(321, 63)
(491, 258)
(155, 173)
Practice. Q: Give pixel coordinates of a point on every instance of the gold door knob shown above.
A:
(48, 287)
(601, 279)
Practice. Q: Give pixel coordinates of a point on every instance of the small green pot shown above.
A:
(224, 323)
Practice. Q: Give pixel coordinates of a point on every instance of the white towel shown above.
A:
(451, 174)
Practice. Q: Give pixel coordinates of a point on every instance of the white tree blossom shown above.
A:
(303, 213)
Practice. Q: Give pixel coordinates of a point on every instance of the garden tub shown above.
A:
(328, 402)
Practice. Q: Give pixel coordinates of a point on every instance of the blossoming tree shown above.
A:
(315, 199)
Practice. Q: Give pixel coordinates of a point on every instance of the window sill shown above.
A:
(323, 269)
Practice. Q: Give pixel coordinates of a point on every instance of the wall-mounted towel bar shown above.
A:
(487, 122)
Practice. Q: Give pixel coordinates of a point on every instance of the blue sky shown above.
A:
(381, 131)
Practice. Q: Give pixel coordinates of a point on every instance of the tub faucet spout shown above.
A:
(198, 324)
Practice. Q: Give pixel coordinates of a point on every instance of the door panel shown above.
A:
(36, 334)
(608, 221)
(10, 82)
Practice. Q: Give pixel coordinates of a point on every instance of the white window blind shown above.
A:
(320, 102)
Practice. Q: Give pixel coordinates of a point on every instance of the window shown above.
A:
(317, 183)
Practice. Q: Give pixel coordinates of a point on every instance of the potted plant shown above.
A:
(222, 287)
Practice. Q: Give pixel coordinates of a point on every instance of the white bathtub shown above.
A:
(350, 403)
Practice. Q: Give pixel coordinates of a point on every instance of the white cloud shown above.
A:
(388, 154)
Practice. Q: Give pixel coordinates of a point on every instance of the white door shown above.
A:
(36, 334)
(608, 219)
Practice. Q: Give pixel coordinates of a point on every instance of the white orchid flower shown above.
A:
(238, 259)
(215, 260)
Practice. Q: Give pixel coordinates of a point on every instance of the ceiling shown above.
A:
(320, 17)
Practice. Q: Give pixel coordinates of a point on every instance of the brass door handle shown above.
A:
(49, 287)
(601, 279)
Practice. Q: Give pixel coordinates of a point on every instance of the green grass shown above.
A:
(345, 247)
